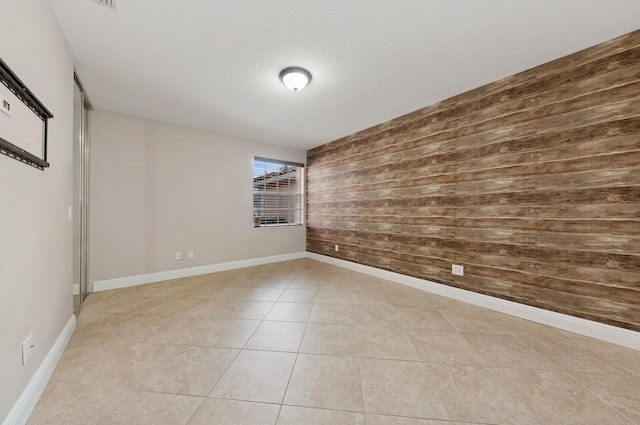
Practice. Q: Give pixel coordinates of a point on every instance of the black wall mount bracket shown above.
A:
(9, 79)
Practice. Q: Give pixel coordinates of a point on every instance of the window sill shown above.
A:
(278, 225)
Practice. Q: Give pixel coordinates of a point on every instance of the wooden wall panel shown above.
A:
(531, 182)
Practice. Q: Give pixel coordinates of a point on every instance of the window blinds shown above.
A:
(278, 193)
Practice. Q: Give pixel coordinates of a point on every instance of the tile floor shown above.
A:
(302, 342)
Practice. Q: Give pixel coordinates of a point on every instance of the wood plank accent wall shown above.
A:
(532, 183)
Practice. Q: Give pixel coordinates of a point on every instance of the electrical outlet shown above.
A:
(27, 349)
(337, 247)
(457, 270)
(178, 256)
(190, 255)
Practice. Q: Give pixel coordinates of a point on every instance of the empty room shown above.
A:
(421, 212)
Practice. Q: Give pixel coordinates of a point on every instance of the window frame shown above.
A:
(296, 199)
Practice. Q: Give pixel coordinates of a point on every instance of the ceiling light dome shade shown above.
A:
(294, 78)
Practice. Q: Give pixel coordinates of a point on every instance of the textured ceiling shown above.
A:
(214, 65)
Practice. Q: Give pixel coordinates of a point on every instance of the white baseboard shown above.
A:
(21, 411)
(125, 282)
(601, 331)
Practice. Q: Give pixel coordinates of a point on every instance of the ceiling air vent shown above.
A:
(111, 4)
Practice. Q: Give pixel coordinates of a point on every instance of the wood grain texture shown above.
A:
(531, 182)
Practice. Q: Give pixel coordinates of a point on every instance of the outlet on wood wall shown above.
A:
(532, 183)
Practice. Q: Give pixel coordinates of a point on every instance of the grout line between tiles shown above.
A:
(293, 368)
(317, 286)
(364, 416)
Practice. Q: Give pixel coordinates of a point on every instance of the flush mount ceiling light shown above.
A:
(294, 78)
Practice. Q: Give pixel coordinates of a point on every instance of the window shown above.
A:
(278, 193)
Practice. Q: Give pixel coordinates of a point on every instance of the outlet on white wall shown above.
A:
(178, 256)
(190, 255)
(457, 269)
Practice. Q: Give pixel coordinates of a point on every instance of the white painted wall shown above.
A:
(158, 188)
(35, 234)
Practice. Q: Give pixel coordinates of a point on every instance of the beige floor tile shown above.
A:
(104, 300)
(509, 351)
(84, 337)
(365, 297)
(145, 408)
(200, 291)
(415, 298)
(137, 328)
(620, 391)
(335, 284)
(327, 382)
(247, 294)
(277, 336)
(91, 320)
(274, 284)
(293, 295)
(180, 330)
(305, 282)
(386, 343)
(475, 320)
(569, 355)
(443, 347)
(138, 353)
(178, 369)
(72, 403)
(333, 296)
(232, 293)
(91, 336)
(173, 306)
(234, 309)
(400, 420)
(367, 279)
(232, 412)
(557, 399)
(205, 331)
(478, 394)
(401, 388)
(423, 318)
(337, 340)
(534, 330)
(256, 376)
(445, 304)
(290, 312)
(292, 415)
(165, 289)
(621, 357)
(98, 362)
(246, 281)
(332, 313)
(131, 305)
(377, 315)
(264, 294)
